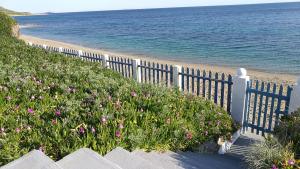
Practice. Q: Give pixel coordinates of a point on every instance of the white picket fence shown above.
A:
(236, 95)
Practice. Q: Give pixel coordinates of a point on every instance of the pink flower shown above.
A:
(291, 162)
(57, 113)
(189, 135)
(218, 122)
(121, 126)
(133, 94)
(54, 121)
(8, 98)
(109, 98)
(81, 130)
(103, 120)
(18, 130)
(93, 130)
(118, 134)
(274, 166)
(32, 97)
(206, 133)
(30, 111)
(2, 130)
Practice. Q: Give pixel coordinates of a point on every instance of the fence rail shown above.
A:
(255, 105)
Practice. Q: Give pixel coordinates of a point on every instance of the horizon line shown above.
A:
(133, 9)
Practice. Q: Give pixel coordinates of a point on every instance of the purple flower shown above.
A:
(30, 111)
(218, 122)
(109, 98)
(118, 134)
(57, 113)
(291, 162)
(274, 166)
(133, 94)
(2, 130)
(206, 133)
(81, 130)
(18, 130)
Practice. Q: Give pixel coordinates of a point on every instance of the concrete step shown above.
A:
(86, 159)
(212, 161)
(243, 144)
(33, 160)
(127, 160)
(164, 160)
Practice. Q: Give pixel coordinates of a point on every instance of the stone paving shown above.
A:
(122, 159)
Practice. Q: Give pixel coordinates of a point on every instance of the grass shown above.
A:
(59, 104)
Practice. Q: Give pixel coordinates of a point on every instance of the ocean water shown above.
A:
(263, 37)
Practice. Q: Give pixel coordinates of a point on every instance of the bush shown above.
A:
(271, 154)
(6, 24)
(59, 104)
(288, 131)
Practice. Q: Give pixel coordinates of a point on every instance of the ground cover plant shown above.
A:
(283, 150)
(271, 154)
(59, 104)
(289, 131)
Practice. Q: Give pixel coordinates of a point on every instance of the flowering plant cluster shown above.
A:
(58, 104)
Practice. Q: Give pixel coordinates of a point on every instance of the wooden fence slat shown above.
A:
(216, 88)
(260, 106)
(198, 82)
(255, 103)
(222, 90)
(266, 109)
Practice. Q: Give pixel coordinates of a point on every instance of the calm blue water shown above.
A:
(263, 37)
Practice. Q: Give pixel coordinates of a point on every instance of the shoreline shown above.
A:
(254, 74)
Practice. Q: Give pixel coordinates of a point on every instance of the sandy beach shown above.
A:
(254, 74)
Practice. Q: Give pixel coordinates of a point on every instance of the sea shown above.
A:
(263, 37)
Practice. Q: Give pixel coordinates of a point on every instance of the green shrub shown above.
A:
(271, 154)
(6, 24)
(288, 131)
(59, 104)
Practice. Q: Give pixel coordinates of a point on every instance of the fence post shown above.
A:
(295, 98)
(44, 46)
(136, 70)
(239, 94)
(60, 50)
(79, 53)
(105, 60)
(177, 79)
